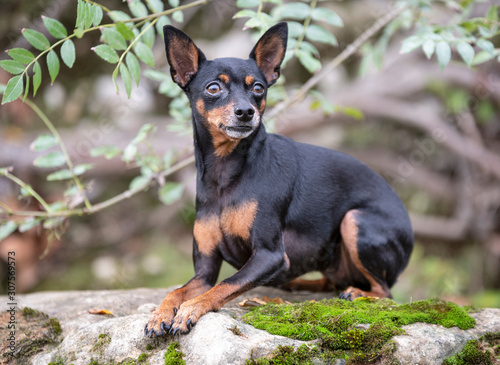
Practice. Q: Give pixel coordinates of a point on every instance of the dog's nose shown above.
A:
(244, 114)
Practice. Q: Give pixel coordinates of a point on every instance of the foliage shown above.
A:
(126, 42)
(338, 323)
(483, 351)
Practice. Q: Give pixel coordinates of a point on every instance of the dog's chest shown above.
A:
(230, 231)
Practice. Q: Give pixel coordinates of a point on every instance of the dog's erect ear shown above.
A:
(270, 51)
(183, 56)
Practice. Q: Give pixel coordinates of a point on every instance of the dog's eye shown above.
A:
(213, 88)
(258, 89)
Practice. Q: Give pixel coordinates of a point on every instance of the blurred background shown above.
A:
(434, 135)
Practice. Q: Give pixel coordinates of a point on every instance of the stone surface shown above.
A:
(211, 341)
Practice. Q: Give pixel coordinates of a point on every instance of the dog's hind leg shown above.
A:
(375, 252)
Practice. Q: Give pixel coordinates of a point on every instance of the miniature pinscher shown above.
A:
(271, 207)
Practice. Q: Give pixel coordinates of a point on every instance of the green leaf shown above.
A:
(21, 55)
(64, 174)
(7, 228)
(492, 14)
(37, 77)
(245, 14)
(114, 38)
(133, 66)
(350, 112)
(484, 44)
(170, 192)
(155, 6)
(410, 44)
(162, 21)
(168, 88)
(43, 142)
(309, 47)
(51, 159)
(106, 53)
(156, 75)
(297, 11)
(2, 88)
(428, 47)
(68, 53)
(149, 36)
(328, 16)
(247, 3)
(96, 15)
(28, 224)
(82, 168)
(80, 14)
(129, 152)
(295, 29)
(55, 27)
(143, 133)
(88, 15)
(125, 31)
(13, 90)
(117, 15)
(12, 66)
(443, 53)
(137, 8)
(319, 34)
(138, 182)
(127, 81)
(174, 3)
(107, 151)
(178, 16)
(308, 61)
(466, 52)
(36, 39)
(482, 57)
(145, 54)
(53, 65)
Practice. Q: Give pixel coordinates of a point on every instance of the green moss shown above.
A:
(173, 356)
(483, 351)
(102, 341)
(58, 362)
(288, 355)
(337, 323)
(54, 325)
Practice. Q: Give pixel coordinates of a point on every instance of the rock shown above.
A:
(218, 338)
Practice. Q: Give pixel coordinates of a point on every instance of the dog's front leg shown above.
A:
(207, 269)
(263, 266)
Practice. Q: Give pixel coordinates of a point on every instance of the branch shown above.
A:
(345, 54)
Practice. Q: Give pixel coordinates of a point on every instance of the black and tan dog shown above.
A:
(273, 208)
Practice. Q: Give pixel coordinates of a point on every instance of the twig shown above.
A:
(105, 204)
(345, 54)
(28, 188)
(61, 144)
(167, 12)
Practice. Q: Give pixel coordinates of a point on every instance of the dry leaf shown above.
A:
(100, 312)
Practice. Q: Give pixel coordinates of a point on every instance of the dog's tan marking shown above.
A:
(349, 232)
(207, 233)
(224, 78)
(214, 119)
(238, 221)
(262, 106)
(249, 79)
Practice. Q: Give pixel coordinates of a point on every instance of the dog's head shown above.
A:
(228, 95)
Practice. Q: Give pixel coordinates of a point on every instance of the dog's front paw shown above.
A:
(188, 314)
(160, 322)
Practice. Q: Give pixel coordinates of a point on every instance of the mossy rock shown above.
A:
(483, 351)
(357, 331)
(34, 331)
